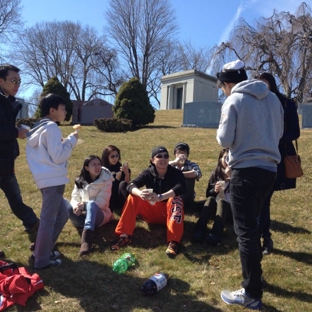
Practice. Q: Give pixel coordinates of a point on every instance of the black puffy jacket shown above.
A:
(9, 149)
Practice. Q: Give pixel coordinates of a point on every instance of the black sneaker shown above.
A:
(213, 239)
(172, 249)
(267, 246)
(123, 241)
(198, 237)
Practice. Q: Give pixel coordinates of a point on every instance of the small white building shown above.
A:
(185, 87)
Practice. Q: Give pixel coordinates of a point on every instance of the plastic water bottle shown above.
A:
(122, 264)
(154, 284)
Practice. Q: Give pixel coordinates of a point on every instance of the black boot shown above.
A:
(208, 210)
(2, 254)
(86, 242)
(215, 237)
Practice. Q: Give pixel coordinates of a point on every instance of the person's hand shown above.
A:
(219, 186)
(75, 134)
(228, 171)
(22, 133)
(145, 194)
(125, 168)
(80, 206)
(77, 211)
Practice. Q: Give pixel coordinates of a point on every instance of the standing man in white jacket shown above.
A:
(251, 125)
(47, 154)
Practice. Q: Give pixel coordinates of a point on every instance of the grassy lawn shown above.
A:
(199, 272)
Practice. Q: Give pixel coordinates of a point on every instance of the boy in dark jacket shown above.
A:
(9, 150)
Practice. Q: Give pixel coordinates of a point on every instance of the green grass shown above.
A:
(199, 272)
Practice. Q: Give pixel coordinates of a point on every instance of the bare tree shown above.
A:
(66, 50)
(191, 57)
(10, 18)
(141, 30)
(280, 44)
(10, 24)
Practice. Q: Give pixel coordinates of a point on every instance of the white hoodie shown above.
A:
(99, 191)
(47, 153)
(251, 125)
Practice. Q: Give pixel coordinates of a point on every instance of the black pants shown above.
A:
(249, 188)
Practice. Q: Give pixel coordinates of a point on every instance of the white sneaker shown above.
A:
(240, 297)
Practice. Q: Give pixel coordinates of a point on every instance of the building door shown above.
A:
(179, 98)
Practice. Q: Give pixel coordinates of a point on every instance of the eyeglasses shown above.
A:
(16, 82)
(114, 156)
(166, 156)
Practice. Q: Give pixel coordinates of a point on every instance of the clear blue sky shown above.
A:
(202, 22)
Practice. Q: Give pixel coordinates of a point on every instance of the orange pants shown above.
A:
(170, 213)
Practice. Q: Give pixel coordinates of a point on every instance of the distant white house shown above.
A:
(186, 87)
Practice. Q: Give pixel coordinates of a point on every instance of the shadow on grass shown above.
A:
(282, 292)
(88, 286)
(158, 127)
(298, 256)
(287, 228)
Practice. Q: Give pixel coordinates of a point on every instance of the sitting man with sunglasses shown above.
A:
(9, 150)
(159, 203)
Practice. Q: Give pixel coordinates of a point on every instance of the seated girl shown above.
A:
(217, 205)
(111, 159)
(90, 200)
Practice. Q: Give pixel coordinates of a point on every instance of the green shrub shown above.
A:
(113, 124)
(132, 103)
(54, 86)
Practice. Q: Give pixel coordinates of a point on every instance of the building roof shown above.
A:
(188, 73)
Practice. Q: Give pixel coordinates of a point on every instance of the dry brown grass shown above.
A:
(199, 273)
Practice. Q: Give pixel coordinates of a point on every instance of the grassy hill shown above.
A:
(199, 272)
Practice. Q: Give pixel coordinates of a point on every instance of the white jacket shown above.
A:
(99, 191)
(47, 154)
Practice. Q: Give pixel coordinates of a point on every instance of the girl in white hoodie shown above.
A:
(90, 200)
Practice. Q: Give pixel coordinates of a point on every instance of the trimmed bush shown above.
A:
(113, 124)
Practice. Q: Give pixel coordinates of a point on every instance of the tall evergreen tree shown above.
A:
(54, 86)
(132, 102)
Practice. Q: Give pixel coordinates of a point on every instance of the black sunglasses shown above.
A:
(166, 156)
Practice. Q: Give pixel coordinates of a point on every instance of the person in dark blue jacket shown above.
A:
(9, 150)
(286, 147)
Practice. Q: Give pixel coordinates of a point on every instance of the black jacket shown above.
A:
(286, 147)
(173, 180)
(9, 149)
